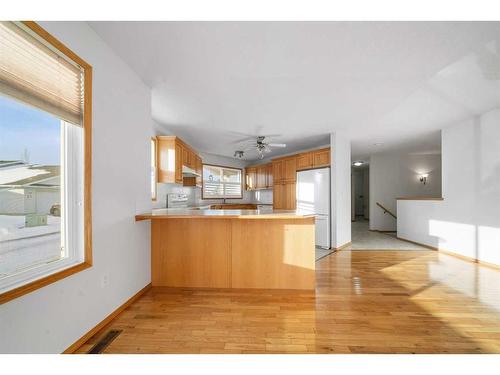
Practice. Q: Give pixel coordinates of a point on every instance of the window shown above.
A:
(221, 182)
(154, 168)
(45, 102)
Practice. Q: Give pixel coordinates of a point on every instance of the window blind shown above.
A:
(221, 182)
(36, 74)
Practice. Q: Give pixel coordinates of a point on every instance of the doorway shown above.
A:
(360, 193)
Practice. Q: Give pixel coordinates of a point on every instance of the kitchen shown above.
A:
(237, 224)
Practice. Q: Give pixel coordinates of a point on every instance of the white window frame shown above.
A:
(223, 196)
(72, 213)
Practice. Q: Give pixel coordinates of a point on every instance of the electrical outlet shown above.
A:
(104, 280)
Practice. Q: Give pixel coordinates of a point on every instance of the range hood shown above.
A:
(188, 172)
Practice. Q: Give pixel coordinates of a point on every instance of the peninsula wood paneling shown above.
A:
(233, 253)
(191, 253)
(273, 254)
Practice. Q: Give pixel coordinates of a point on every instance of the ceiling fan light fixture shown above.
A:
(260, 145)
(239, 154)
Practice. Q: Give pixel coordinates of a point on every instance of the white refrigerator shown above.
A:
(313, 195)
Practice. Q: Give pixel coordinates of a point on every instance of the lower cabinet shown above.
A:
(278, 196)
(234, 206)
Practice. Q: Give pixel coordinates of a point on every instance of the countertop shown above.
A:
(180, 213)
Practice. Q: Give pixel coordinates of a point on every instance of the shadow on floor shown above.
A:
(365, 302)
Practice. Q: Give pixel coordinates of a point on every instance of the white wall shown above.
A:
(394, 175)
(466, 221)
(52, 318)
(340, 172)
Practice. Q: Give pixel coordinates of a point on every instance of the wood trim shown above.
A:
(82, 340)
(56, 43)
(87, 173)
(420, 199)
(87, 178)
(222, 166)
(454, 254)
(39, 283)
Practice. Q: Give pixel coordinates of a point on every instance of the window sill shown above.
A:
(41, 282)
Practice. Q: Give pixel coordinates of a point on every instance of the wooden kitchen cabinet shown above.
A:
(277, 171)
(234, 206)
(321, 158)
(284, 197)
(269, 175)
(199, 170)
(304, 161)
(313, 159)
(289, 192)
(172, 154)
(188, 158)
(284, 169)
(177, 163)
(251, 178)
(278, 196)
(261, 177)
(290, 169)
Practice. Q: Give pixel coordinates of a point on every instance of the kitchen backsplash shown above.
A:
(194, 196)
(262, 196)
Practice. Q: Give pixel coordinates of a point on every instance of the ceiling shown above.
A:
(389, 83)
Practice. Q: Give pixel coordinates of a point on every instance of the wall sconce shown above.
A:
(423, 178)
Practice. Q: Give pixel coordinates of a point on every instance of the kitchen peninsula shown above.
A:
(272, 249)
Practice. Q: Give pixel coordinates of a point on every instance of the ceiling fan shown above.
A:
(259, 144)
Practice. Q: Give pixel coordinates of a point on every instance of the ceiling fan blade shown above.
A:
(277, 145)
(245, 140)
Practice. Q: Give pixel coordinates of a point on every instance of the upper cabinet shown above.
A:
(304, 161)
(277, 171)
(173, 154)
(284, 169)
(251, 178)
(199, 170)
(269, 175)
(321, 158)
(290, 169)
(285, 176)
(313, 159)
(259, 177)
(262, 177)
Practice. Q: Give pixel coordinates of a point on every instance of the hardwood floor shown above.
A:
(365, 302)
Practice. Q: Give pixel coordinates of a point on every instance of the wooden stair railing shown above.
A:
(387, 211)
